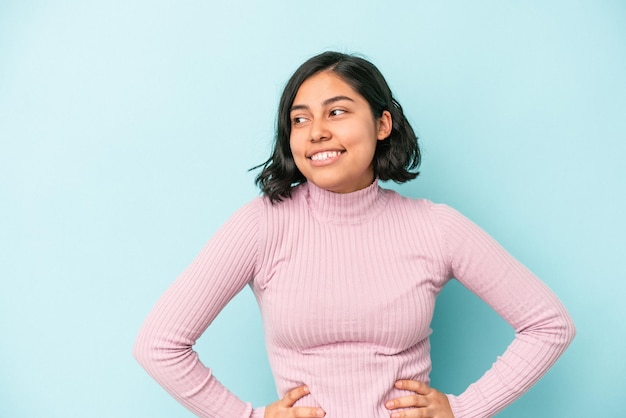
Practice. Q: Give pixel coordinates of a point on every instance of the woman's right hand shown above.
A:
(284, 408)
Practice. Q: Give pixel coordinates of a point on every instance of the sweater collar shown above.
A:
(345, 208)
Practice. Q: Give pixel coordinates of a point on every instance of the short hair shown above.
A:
(394, 158)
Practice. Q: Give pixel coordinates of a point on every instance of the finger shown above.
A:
(412, 401)
(307, 412)
(414, 386)
(293, 395)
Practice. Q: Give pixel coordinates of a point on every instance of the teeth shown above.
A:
(324, 155)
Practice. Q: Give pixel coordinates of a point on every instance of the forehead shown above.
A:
(324, 85)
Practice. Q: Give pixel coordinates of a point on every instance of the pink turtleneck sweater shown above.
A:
(346, 284)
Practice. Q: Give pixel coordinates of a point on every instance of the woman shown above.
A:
(346, 273)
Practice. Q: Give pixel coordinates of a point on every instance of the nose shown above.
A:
(319, 130)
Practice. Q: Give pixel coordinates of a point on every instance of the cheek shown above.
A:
(297, 152)
(360, 132)
(296, 145)
(293, 147)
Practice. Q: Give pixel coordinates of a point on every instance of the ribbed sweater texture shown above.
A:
(346, 285)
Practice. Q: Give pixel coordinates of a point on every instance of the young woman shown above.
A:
(346, 273)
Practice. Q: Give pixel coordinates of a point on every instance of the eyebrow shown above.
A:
(324, 103)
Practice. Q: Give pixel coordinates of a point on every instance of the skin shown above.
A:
(284, 408)
(425, 403)
(331, 118)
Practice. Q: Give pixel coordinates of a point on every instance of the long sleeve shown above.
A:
(542, 325)
(164, 344)
(346, 284)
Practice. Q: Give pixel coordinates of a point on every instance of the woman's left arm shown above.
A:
(543, 327)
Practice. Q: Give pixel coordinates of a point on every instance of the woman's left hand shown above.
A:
(425, 403)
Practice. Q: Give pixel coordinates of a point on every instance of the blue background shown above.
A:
(126, 132)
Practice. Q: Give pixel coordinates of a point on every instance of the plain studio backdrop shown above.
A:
(127, 129)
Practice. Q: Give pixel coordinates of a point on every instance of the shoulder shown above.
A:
(244, 221)
(440, 219)
(250, 210)
(420, 206)
(288, 204)
(261, 210)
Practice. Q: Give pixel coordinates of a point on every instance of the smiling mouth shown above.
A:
(325, 155)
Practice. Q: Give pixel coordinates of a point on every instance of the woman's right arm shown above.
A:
(164, 344)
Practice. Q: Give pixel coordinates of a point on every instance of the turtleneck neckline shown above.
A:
(342, 208)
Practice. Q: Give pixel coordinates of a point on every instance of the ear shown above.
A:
(384, 125)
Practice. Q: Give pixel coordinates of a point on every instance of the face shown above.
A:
(334, 134)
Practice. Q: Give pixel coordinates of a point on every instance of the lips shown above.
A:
(325, 155)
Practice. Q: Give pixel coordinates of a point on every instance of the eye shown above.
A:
(337, 112)
(298, 120)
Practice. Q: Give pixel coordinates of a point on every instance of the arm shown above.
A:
(164, 344)
(542, 325)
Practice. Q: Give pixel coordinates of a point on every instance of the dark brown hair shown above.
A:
(395, 157)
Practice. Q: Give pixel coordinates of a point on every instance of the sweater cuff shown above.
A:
(258, 412)
(453, 405)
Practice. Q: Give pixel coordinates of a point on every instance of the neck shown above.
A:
(353, 207)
